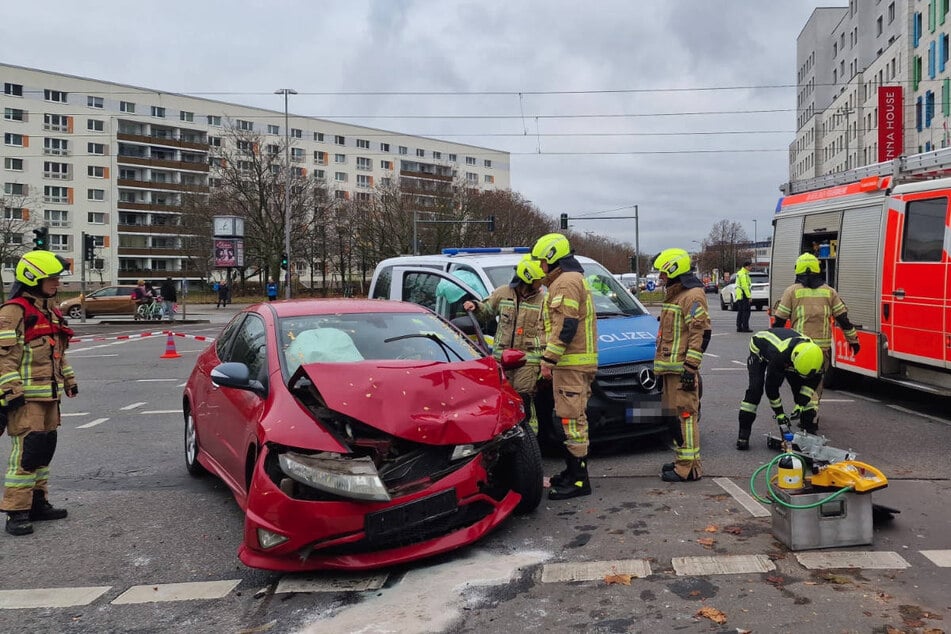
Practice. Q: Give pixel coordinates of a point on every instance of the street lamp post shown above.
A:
(287, 190)
(755, 258)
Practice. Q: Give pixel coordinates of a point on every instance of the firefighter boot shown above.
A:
(746, 428)
(18, 523)
(809, 421)
(42, 510)
(559, 479)
(576, 483)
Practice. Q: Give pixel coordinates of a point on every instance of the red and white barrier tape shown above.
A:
(139, 336)
(195, 337)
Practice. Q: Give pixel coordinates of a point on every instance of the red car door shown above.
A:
(914, 290)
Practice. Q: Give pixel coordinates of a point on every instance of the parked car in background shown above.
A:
(710, 286)
(759, 292)
(109, 300)
(356, 433)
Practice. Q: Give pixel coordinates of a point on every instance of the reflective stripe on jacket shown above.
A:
(683, 320)
(570, 298)
(521, 324)
(811, 311)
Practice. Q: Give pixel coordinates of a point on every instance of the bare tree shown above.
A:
(15, 226)
(726, 247)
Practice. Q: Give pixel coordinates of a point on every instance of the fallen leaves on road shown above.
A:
(713, 614)
(712, 528)
(707, 542)
(775, 580)
(623, 580)
(733, 530)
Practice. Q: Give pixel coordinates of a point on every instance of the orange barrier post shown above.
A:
(170, 352)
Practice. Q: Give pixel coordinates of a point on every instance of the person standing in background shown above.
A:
(169, 297)
(743, 293)
(271, 289)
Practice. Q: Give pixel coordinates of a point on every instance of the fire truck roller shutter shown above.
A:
(859, 271)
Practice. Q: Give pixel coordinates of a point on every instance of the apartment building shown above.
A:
(845, 55)
(114, 161)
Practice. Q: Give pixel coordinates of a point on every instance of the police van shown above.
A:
(625, 399)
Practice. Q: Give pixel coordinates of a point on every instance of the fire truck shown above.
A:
(882, 235)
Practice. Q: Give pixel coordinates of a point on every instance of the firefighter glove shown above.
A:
(855, 347)
(688, 379)
(71, 390)
(14, 403)
(782, 419)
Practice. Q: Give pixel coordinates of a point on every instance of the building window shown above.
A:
(127, 106)
(13, 139)
(340, 158)
(14, 189)
(56, 122)
(386, 165)
(59, 242)
(56, 96)
(96, 148)
(14, 114)
(363, 144)
(470, 160)
(273, 129)
(489, 179)
(95, 194)
(384, 147)
(364, 163)
(95, 124)
(339, 194)
(891, 12)
(55, 146)
(452, 158)
(340, 177)
(96, 171)
(403, 150)
(186, 116)
(13, 164)
(340, 139)
(320, 174)
(214, 120)
(297, 154)
(15, 90)
(55, 194)
(437, 155)
(320, 157)
(13, 213)
(56, 217)
(487, 163)
(420, 153)
(96, 218)
(247, 126)
(472, 177)
(214, 141)
(363, 180)
(297, 133)
(245, 146)
(158, 111)
(319, 136)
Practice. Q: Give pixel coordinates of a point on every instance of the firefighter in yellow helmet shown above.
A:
(682, 337)
(809, 306)
(570, 359)
(518, 307)
(776, 355)
(34, 374)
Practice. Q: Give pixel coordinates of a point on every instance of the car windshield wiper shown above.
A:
(611, 313)
(432, 337)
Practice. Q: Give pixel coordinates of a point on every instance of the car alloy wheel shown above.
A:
(191, 447)
(76, 312)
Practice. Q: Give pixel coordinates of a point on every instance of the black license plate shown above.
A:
(393, 520)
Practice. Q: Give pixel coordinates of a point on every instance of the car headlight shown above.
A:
(269, 539)
(350, 477)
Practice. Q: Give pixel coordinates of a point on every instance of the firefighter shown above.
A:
(518, 306)
(682, 338)
(570, 359)
(743, 294)
(33, 374)
(811, 305)
(776, 355)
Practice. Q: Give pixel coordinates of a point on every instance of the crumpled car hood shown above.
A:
(425, 402)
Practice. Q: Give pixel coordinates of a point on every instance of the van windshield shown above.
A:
(610, 297)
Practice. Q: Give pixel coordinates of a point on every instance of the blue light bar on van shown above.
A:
(474, 250)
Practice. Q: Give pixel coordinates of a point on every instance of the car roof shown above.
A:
(477, 259)
(302, 307)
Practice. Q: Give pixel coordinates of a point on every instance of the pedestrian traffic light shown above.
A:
(89, 248)
(41, 238)
(491, 222)
(564, 221)
(284, 261)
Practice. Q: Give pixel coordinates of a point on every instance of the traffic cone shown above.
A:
(170, 352)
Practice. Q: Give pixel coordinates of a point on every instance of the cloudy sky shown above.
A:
(683, 107)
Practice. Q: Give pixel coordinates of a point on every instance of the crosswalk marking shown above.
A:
(594, 570)
(940, 558)
(189, 591)
(905, 410)
(155, 380)
(742, 497)
(65, 414)
(93, 423)
(344, 583)
(50, 597)
(884, 560)
(132, 406)
(721, 565)
(161, 411)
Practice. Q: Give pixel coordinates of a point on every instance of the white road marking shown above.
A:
(340, 583)
(90, 356)
(905, 410)
(721, 565)
(838, 400)
(940, 558)
(182, 384)
(98, 421)
(710, 354)
(177, 592)
(859, 396)
(133, 406)
(725, 369)
(884, 560)
(50, 597)
(595, 570)
(738, 362)
(742, 497)
(161, 411)
(155, 380)
(429, 598)
(65, 414)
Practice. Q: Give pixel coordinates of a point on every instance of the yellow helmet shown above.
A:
(673, 262)
(529, 270)
(807, 359)
(39, 265)
(807, 262)
(551, 247)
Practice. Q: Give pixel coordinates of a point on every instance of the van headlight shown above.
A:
(355, 478)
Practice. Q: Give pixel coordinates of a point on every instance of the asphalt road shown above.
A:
(147, 548)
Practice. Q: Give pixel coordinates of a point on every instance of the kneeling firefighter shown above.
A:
(33, 374)
(570, 359)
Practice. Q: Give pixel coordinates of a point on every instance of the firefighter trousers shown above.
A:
(685, 406)
(32, 430)
(572, 389)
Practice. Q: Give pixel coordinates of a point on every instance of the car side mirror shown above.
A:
(236, 375)
(512, 359)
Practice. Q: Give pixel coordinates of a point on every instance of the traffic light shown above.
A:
(564, 221)
(633, 264)
(41, 239)
(284, 261)
(491, 223)
(89, 248)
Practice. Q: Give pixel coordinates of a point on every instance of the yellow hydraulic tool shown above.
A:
(859, 476)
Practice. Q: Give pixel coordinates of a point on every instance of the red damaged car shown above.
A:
(358, 433)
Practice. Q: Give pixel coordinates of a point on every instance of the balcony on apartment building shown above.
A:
(428, 171)
(150, 134)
